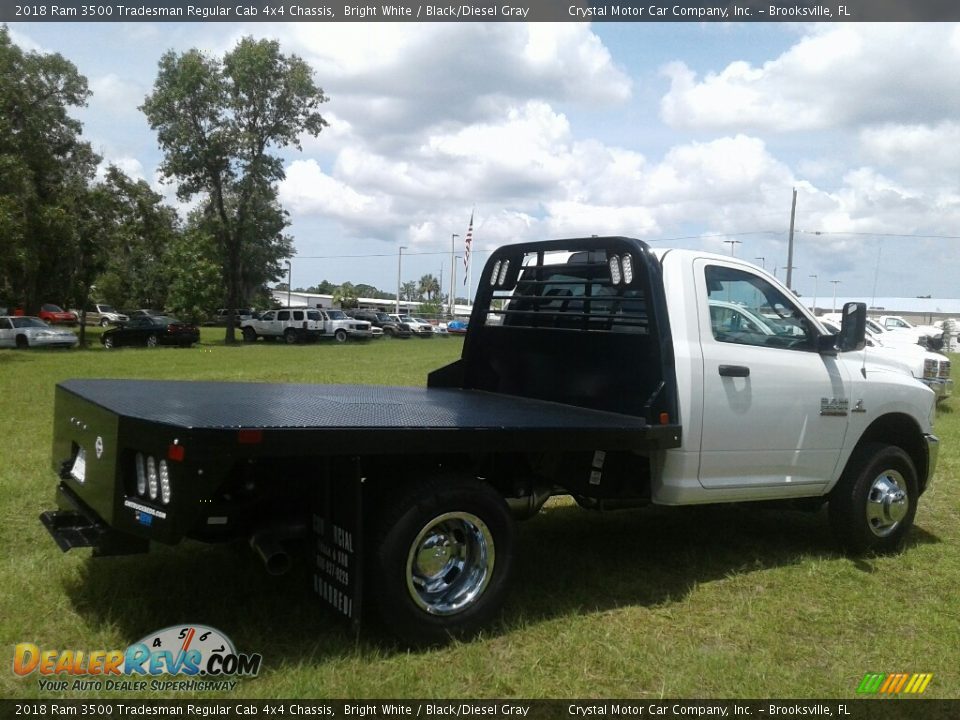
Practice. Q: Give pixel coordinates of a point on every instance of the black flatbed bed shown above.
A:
(374, 419)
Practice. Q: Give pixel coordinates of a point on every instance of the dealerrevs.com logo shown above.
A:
(204, 654)
(894, 683)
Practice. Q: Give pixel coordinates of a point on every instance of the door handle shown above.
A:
(734, 371)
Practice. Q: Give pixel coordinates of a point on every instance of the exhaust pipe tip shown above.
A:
(271, 552)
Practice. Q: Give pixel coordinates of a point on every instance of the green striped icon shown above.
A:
(894, 683)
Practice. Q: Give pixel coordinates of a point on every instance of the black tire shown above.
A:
(389, 332)
(22, 342)
(340, 335)
(458, 580)
(104, 322)
(290, 336)
(107, 342)
(873, 505)
(249, 335)
(152, 341)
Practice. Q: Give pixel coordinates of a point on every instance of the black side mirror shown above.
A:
(853, 328)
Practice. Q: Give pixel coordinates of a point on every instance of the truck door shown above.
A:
(774, 408)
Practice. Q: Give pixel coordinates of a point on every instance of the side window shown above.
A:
(5, 324)
(745, 309)
(267, 316)
(298, 315)
(313, 315)
(283, 315)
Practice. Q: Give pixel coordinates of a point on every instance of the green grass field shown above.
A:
(704, 602)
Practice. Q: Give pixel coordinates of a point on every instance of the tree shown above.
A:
(408, 291)
(215, 121)
(428, 287)
(45, 174)
(346, 296)
(195, 276)
(136, 244)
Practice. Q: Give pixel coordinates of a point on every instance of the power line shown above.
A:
(879, 234)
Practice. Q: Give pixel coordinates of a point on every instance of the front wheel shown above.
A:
(874, 503)
(249, 335)
(22, 342)
(152, 341)
(441, 563)
(104, 322)
(108, 342)
(340, 335)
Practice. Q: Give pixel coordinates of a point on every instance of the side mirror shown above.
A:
(853, 328)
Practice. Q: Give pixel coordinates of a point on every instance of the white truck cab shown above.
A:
(772, 416)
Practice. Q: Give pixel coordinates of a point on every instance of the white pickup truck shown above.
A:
(592, 367)
(341, 327)
(926, 335)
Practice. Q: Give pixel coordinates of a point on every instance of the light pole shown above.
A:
(289, 280)
(732, 244)
(763, 261)
(399, 261)
(453, 286)
(815, 282)
(453, 269)
(835, 283)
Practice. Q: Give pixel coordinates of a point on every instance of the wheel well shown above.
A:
(900, 430)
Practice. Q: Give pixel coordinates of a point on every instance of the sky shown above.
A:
(682, 135)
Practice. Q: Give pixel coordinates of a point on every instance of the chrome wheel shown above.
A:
(152, 341)
(450, 563)
(887, 503)
(108, 342)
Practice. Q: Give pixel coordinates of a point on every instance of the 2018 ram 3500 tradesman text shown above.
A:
(596, 368)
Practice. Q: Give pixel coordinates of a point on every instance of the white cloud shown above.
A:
(835, 76)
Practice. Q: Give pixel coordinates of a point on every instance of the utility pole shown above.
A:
(816, 280)
(763, 261)
(289, 279)
(399, 261)
(732, 244)
(793, 216)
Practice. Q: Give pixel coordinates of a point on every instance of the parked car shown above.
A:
(102, 314)
(420, 328)
(56, 315)
(23, 331)
(150, 331)
(390, 327)
(457, 327)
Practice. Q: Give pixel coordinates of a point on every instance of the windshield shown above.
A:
(383, 317)
(106, 308)
(51, 308)
(28, 322)
(336, 315)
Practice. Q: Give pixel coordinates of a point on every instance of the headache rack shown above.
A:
(580, 321)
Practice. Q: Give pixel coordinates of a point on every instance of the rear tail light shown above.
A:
(153, 478)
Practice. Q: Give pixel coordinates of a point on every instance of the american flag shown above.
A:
(466, 254)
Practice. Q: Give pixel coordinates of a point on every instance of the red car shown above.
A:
(56, 315)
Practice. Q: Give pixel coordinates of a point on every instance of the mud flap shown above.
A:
(338, 534)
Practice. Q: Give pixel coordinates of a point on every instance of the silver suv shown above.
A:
(102, 314)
